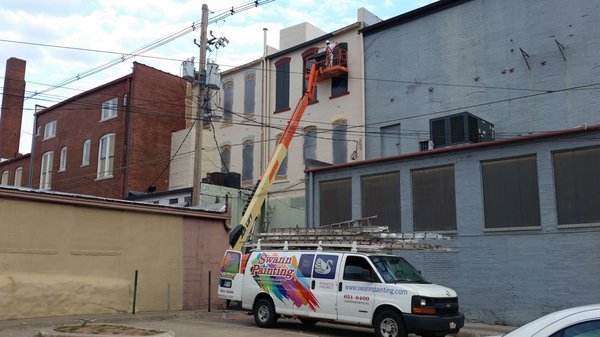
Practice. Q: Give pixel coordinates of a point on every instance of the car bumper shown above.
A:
(436, 325)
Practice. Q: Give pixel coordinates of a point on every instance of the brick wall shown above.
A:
(158, 109)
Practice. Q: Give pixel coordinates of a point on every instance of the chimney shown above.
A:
(12, 108)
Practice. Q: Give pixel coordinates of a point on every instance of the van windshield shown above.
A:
(395, 269)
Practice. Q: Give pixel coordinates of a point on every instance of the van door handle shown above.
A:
(340, 286)
(312, 285)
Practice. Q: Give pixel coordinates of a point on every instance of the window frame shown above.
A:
(282, 84)
(250, 94)
(339, 84)
(309, 146)
(389, 202)
(5, 178)
(578, 191)
(18, 181)
(105, 169)
(50, 130)
(63, 159)
(445, 199)
(86, 152)
(228, 101)
(46, 170)
(282, 170)
(225, 155)
(338, 192)
(498, 213)
(339, 141)
(248, 161)
(110, 109)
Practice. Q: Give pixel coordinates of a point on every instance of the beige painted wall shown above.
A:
(61, 259)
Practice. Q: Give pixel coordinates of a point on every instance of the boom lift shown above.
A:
(326, 63)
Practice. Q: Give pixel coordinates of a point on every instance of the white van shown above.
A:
(370, 289)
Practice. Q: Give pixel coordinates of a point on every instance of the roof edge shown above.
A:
(473, 146)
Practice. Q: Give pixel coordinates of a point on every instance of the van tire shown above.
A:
(389, 323)
(308, 321)
(264, 313)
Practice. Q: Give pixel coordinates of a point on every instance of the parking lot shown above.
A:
(213, 324)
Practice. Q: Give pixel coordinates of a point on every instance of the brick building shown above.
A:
(108, 141)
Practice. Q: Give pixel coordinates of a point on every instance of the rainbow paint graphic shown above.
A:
(230, 265)
(277, 275)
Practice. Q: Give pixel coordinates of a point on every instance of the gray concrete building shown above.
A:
(483, 124)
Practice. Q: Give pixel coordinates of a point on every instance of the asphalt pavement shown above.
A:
(214, 324)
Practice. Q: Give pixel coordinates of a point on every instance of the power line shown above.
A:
(153, 45)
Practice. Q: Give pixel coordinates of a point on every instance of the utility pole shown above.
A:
(199, 124)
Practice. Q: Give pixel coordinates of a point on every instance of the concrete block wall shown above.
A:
(468, 58)
(508, 277)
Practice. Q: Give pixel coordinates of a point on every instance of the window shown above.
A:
(340, 146)
(510, 192)
(335, 201)
(577, 185)
(50, 130)
(225, 158)
(282, 84)
(248, 161)
(228, 102)
(18, 176)
(339, 84)
(433, 188)
(106, 156)
(4, 180)
(307, 62)
(357, 268)
(249, 93)
(85, 158)
(381, 197)
(63, 159)
(585, 329)
(282, 170)
(390, 140)
(173, 201)
(46, 171)
(310, 143)
(109, 109)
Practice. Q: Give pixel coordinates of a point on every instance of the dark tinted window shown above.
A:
(335, 201)
(434, 205)
(282, 84)
(510, 192)
(381, 198)
(577, 185)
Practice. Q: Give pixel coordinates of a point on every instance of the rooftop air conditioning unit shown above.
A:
(461, 128)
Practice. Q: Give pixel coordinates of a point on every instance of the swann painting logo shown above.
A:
(276, 275)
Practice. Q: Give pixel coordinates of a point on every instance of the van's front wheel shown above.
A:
(389, 324)
(264, 313)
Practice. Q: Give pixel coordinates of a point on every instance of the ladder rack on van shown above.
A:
(356, 238)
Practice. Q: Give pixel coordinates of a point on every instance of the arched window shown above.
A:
(310, 143)
(106, 156)
(307, 62)
(63, 159)
(248, 161)
(228, 102)
(249, 93)
(225, 158)
(85, 158)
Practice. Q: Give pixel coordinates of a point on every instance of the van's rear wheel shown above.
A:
(264, 313)
(389, 324)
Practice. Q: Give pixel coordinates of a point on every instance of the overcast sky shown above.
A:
(30, 29)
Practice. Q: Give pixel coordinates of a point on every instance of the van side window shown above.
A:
(357, 268)
(305, 265)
